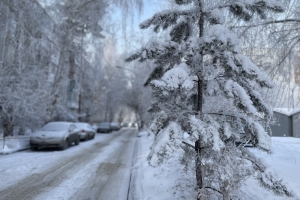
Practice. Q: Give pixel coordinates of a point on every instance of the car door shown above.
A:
(73, 133)
(91, 130)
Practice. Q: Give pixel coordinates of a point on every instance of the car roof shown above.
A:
(81, 123)
(68, 123)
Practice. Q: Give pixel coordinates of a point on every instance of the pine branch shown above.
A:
(164, 19)
(267, 23)
(189, 145)
(261, 168)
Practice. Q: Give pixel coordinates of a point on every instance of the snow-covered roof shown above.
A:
(287, 111)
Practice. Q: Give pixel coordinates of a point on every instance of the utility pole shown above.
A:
(79, 76)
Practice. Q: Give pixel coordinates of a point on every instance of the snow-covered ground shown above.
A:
(285, 162)
(171, 182)
(168, 181)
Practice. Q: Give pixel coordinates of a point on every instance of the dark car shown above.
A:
(104, 127)
(115, 126)
(55, 134)
(134, 125)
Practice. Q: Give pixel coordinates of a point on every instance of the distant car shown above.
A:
(104, 127)
(115, 126)
(55, 134)
(134, 125)
(125, 124)
(86, 131)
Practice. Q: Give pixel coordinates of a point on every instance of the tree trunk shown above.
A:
(199, 176)
(7, 127)
(198, 164)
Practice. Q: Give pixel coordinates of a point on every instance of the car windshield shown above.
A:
(55, 127)
(105, 124)
(81, 125)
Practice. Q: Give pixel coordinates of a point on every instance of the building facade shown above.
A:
(287, 123)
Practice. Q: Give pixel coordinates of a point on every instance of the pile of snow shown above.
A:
(167, 181)
(13, 144)
(171, 181)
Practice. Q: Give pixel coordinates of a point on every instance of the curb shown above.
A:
(130, 193)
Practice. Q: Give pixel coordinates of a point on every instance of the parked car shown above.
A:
(115, 126)
(86, 131)
(134, 125)
(55, 134)
(104, 127)
(125, 124)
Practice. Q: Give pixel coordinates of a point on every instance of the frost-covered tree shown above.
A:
(26, 48)
(137, 97)
(274, 46)
(75, 21)
(205, 86)
(83, 16)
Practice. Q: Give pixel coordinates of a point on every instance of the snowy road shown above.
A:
(96, 169)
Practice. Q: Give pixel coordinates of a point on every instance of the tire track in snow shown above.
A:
(110, 176)
(38, 183)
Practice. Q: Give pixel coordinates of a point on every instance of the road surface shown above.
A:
(96, 169)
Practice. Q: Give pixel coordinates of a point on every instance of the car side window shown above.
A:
(72, 128)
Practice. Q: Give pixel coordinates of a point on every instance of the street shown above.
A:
(96, 169)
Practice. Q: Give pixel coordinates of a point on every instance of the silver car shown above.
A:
(86, 132)
(55, 134)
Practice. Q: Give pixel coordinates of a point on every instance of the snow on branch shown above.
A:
(207, 130)
(264, 140)
(154, 50)
(166, 143)
(271, 181)
(249, 69)
(233, 89)
(177, 77)
(164, 19)
(245, 8)
(220, 33)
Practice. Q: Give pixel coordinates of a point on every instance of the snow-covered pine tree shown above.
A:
(203, 85)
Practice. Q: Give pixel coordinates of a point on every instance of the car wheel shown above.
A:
(34, 148)
(77, 141)
(65, 145)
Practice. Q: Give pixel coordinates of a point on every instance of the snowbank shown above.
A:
(12, 144)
